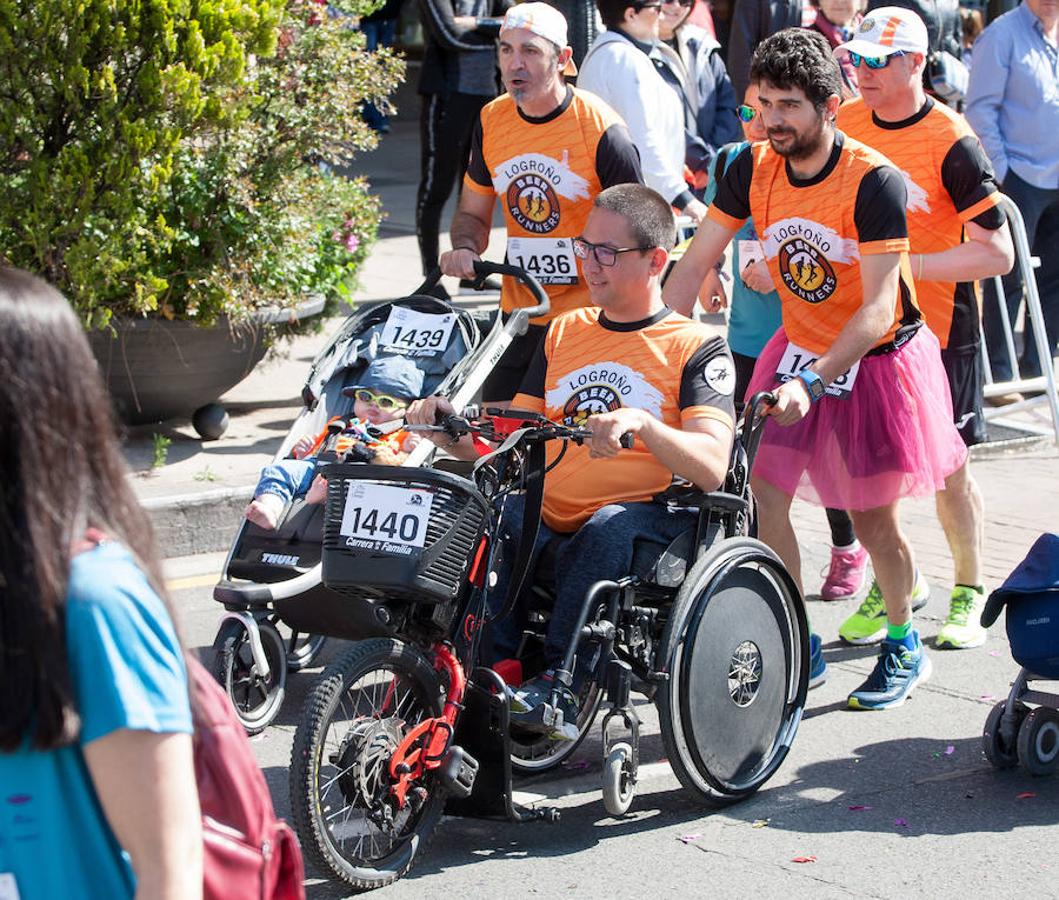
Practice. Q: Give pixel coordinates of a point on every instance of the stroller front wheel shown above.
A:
(1039, 741)
(256, 698)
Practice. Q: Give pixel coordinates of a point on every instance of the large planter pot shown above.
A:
(156, 369)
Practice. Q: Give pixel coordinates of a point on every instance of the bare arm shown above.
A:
(699, 452)
(469, 233)
(682, 286)
(146, 785)
(986, 252)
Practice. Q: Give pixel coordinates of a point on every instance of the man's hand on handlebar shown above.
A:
(427, 412)
(792, 402)
(459, 264)
(607, 429)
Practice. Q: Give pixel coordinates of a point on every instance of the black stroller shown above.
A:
(270, 586)
(1014, 732)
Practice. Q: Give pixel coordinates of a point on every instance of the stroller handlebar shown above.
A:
(483, 269)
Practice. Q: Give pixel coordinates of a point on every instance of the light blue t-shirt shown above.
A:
(127, 672)
(754, 317)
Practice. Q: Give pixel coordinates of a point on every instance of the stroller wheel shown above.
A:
(256, 699)
(1039, 741)
(999, 751)
(302, 650)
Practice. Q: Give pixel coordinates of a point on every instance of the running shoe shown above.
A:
(963, 628)
(531, 709)
(868, 624)
(896, 673)
(817, 664)
(846, 574)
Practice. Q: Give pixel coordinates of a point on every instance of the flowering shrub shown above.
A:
(177, 159)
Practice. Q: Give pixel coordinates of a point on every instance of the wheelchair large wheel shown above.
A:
(533, 753)
(257, 699)
(355, 717)
(736, 647)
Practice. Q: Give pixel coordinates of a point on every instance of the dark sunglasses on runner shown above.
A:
(873, 62)
(605, 256)
(685, 3)
(745, 113)
(640, 7)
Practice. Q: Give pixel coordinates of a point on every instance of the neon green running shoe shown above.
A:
(962, 629)
(868, 624)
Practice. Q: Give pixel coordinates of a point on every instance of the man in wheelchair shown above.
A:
(629, 364)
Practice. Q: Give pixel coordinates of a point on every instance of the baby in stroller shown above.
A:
(373, 434)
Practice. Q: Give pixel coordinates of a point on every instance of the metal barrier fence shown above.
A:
(1045, 382)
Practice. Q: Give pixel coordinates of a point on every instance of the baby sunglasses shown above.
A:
(383, 401)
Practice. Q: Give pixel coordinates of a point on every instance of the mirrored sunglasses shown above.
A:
(873, 62)
(745, 113)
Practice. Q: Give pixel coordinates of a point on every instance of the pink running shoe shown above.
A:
(846, 574)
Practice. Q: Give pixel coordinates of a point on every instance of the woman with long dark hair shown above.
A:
(96, 768)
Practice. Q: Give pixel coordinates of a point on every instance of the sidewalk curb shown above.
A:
(200, 523)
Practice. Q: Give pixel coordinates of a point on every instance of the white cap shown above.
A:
(543, 20)
(888, 30)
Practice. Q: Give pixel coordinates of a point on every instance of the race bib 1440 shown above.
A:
(385, 518)
(796, 358)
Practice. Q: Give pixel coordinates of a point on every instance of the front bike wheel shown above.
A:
(355, 717)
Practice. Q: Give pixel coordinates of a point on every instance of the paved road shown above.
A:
(932, 818)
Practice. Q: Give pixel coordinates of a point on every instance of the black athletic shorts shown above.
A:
(966, 379)
(503, 382)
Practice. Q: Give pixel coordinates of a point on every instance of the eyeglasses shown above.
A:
(640, 7)
(383, 401)
(873, 62)
(746, 113)
(685, 3)
(604, 255)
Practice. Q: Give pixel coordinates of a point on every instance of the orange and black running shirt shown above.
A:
(949, 182)
(814, 232)
(547, 170)
(667, 365)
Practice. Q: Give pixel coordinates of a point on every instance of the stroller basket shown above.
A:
(399, 534)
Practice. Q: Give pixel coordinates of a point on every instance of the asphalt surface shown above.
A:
(881, 804)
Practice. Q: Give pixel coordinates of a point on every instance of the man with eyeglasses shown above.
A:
(629, 364)
(547, 149)
(957, 234)
(620, 68)
(863, 415)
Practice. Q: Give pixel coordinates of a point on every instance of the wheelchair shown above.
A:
(408, 725)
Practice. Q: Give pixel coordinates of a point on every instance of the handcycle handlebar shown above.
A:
(754, 417)
(538, 427)
(483, 269)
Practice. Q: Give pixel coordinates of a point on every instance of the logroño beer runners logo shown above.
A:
(806, 253)
(533, 186)
(599, 388)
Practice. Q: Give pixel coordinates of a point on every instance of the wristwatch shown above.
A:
(814, 384)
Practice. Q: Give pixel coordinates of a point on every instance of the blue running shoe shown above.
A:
(897, 671)
(817, 665)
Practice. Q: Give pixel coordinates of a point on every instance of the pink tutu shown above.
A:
(891, 437)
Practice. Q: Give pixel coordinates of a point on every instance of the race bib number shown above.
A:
(385, 518)
(416, 333)
(549, 260)
(796, 358)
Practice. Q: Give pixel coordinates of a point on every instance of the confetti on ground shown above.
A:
(950, 749)
(987, 697)
(804, 859)
(689, 838)
(935, 755)
(859, 808)
(994, 653)
(760, 823)
(901, 823)
(1025, 795)
(579, 766)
